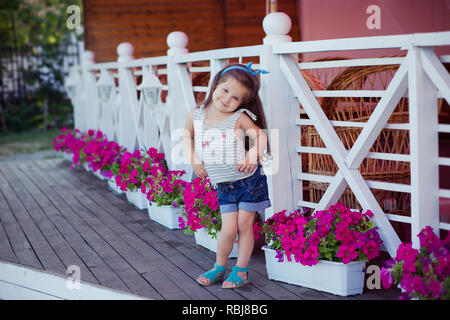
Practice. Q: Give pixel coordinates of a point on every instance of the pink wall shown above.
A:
(332, 19)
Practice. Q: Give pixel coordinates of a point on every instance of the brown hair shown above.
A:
(252, 102)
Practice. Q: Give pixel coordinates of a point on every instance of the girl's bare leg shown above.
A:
(246, 242)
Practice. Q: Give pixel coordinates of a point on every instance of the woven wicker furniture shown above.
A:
(389, 141)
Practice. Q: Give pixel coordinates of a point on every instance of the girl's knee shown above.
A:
(229, 233)
(229, 228)
(245, 228)
(245, 224)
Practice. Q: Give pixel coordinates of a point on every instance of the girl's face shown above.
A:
(229, 95)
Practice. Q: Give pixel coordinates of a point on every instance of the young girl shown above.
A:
(214, 143)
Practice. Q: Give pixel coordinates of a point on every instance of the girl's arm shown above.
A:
(257, 135)
(189, 149)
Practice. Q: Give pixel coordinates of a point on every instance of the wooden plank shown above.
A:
(153, 256)
(186, 265)
(7, 238)
(79, 242)
(109, 249)
(16, 237)
(136, 21)
(170, 260)
(163, 283)
(198, 264)
(146, 33)
(138, 3)
(46, 217)
(18, 200)
(6, 250)
(209, 25)
(127, 11)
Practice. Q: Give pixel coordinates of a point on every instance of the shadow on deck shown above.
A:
(53, 216)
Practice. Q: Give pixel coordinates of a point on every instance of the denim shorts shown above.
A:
(250, 194)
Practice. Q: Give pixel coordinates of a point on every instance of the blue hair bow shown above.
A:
(255, 73)
(246, 68)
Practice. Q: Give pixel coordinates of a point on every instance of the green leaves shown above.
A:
(328, 248)
(49, 17)
(37, 28)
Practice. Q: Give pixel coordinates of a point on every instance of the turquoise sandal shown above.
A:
(212, 275)
(238, 281)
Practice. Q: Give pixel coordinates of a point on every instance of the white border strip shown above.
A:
(18, 282)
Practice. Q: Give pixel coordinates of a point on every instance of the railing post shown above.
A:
(74, 83)
(281, 109)
(90, 101)
(106, 108)
(423, 118)
(180, 101)
(127, 126)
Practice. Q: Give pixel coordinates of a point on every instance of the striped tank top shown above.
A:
(219, 148)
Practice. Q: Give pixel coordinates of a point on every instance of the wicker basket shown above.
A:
(389, 140)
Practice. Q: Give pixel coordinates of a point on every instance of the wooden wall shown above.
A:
(209, 24)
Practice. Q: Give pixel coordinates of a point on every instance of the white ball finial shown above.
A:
(277, 26)
(125, 51)
(177, 42)
(88, 57)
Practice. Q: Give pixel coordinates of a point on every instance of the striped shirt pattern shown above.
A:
(219, 148)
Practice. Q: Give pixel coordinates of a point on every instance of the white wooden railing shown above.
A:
(421, 77)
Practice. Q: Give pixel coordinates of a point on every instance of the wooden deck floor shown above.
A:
(53, 216)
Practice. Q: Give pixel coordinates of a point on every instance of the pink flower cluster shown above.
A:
(129, 170)
(421, 274)
(336, 234)
(127, 176)
(92, 148)
(134, 169)
(201, 208)
(102, 153)
(165, 188)
(70, 144)
(64, 141)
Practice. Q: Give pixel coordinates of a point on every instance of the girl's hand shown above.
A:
(199, 168)
(249, 164)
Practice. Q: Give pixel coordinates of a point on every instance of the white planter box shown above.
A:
(86, 167)
(137, 198)
(202, 238)
(165, 215)
(333, 277)
(113, 186)
(99, 175)
(67, 156)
